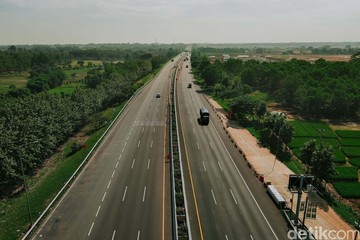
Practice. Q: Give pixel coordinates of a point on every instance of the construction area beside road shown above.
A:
(267, 167)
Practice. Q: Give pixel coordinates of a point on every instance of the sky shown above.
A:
(178, 21)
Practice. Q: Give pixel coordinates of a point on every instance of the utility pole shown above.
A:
(299, 199)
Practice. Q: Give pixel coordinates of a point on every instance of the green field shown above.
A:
(347, 173)
(346, 150)
(355, 162)
(339, 156)
(351, 152)
(348, 189)
(348, 134)
(312, 129)
(350, 142)
(75, 74)
(8, 79)
(67, 89)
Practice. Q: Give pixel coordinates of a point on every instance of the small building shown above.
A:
(225, 57)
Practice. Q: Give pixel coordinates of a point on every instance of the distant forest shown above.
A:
(320, 89)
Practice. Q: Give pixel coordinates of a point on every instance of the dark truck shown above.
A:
(204, 116)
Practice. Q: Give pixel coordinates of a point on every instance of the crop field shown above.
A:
(355, 162)
(67, 88)
(8, 79)
(351, 152)
(346, 150)
(348, 189)
(346, 173)
(312, 129)
(348, 134)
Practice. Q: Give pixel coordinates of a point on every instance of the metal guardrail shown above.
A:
(181, 226)
(78, 170)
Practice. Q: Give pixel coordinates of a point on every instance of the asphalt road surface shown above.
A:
(225, 200)
(123, 192)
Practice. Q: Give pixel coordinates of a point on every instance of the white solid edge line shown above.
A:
(242, 178)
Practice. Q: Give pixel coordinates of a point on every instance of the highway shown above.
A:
(123, 192)
(225, 200)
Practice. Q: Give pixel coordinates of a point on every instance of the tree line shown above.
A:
(329, 89)
(33, 126)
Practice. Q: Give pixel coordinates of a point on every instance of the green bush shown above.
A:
(346, 174)
(351, 152)
(348, 133)
(348, 189)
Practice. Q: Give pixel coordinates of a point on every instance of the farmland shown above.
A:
(346, 150)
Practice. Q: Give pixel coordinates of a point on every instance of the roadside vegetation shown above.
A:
(312, 92)
(48, 127)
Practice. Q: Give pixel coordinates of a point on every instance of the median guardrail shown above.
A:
(181, 227)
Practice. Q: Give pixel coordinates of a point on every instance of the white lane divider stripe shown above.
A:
(92, 225)
(232, 194)
(123, 198)
(97, 212)
(138, 236)
(144, 194)
(204, 166)
(212, 192)
(151, 143)
(198, 145)
(108, 184)
(148, 165)
(211, 146)
(113, 236)
(138, 144)
(113, 174)
(132, 165)
(220, 166)
(103, 197)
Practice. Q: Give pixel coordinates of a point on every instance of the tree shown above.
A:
(243, 106)
(213, 74)
(355, 57)
(322, 165)
(261, 109)
(306, 152)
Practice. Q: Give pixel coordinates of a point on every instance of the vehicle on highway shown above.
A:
(204, 116)
(157, 95)
(189, 85)
(276, 197)
(187, 66)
